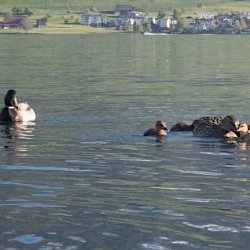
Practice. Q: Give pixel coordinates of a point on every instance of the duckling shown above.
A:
(159, 129)
(244, 131)
(215, 126)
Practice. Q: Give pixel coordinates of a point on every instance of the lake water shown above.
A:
(83, 176)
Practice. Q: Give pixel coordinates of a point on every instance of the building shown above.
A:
(165, 23)
(41, 23)
(124, 9)
(14, 21)
(92, 19)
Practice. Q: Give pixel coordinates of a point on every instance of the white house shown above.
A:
(93, 19)
(165, 22)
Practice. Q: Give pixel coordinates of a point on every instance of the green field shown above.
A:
(70, 10)
(152, 5)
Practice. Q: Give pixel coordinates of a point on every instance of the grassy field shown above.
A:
(70, 10)
(152, 5)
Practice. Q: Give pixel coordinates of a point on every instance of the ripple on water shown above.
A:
(178, 189)
(153, 246)
(150, 209)
(215, 153)
(41, 168)
(109, 234)
(35, 186)
(212, 227)
(196, 172)
(27, 204)
(29, 239)
(76, 238)
(164, 242)
(94, 142)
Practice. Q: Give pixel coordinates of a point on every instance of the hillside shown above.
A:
(145, 5)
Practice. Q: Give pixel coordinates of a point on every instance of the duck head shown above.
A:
(242, 128)
(10, 99)
(161, 125)
(230, 123)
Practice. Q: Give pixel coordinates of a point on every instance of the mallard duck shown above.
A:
(159, 129)
(215, 126)
(14, 111)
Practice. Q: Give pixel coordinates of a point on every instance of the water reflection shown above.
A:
(15, 133)
(239, 144)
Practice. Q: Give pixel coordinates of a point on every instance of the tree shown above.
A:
(182, 25)
(16, 11)
(213, 25)
(243, 24)
(128, 27)
(161, 14)
(138, 28)
(27, 12)
(176, 14)
(93, 9)
(199, 5)
(26, 25)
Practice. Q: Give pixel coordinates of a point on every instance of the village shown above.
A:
(125, 18)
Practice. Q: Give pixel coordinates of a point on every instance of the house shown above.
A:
(41, 23)
(14, 21)
(165, 23)
(124, 9)
(92, 19)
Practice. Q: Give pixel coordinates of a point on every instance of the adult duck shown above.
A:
(14, 111)
(216, 126)
(159, 129)
(211, 126)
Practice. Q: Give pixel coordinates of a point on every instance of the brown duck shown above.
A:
(210, 126)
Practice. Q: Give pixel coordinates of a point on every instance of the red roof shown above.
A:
(13, 19)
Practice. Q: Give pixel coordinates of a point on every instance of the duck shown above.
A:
(14, 111)
(216, 126)
(160, 129)
(242, 131)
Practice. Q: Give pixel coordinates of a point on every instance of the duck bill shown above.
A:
(14, 102)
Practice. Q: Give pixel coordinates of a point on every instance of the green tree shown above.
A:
(161, 14)
(128, 27)
(93, 9)
(27, 12)
(199, 5)
(182, 25)
(16, 11)
(176, 14)
(213, 25)
(239, 25)
(138, 28)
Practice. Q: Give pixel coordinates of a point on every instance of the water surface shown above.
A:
(83, 176)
